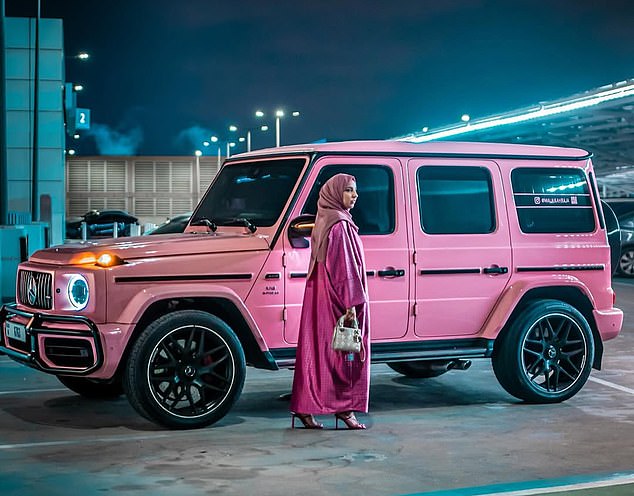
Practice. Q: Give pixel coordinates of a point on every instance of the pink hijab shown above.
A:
(330, 210)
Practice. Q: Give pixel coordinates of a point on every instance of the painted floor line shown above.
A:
(566, 488)
(77, 442)
(612, 385)
(28, 391)
(540, 487)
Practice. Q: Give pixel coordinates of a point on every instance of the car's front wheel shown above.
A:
(186, 370)
(546, 355)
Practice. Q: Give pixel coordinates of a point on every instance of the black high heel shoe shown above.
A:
(349, 419)
(307, 420)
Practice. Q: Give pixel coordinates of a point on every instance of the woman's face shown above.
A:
(350, 196)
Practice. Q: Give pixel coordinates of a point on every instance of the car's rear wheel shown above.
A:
(546, 355)
(421, 369)
(93, 389)
(186, 370)
(626, 262)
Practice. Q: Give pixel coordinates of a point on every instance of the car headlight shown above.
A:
(78, 292)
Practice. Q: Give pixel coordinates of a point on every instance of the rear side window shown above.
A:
(552, 200)
(374, 210)
(455, 200)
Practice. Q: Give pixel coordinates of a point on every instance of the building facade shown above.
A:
(150, 188)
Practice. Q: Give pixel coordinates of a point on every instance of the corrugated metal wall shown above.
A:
(151, 188)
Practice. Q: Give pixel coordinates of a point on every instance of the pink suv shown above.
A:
(473, 250)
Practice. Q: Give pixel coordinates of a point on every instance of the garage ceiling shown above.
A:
(600, 121)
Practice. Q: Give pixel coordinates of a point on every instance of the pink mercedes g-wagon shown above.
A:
(473, 250)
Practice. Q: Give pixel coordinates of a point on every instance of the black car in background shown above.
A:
(100, 224)
(176, 224)
(625, 266)
(619, 217)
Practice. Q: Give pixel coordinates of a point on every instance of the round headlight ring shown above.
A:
(78, 292)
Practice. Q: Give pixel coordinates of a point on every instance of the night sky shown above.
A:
(166, 74)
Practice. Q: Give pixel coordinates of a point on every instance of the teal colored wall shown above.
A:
(19, 65)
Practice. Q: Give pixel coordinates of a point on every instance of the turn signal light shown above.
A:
(109, 260)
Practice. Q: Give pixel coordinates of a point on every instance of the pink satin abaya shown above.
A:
(327, 381)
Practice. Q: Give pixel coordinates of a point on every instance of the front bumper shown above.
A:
(54, 344)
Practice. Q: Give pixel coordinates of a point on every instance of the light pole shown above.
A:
(198, 153)
(278, 116)
(214, 139)
(261, 128)
(230, 145)
(278, 123)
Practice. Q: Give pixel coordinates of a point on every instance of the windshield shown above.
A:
(256, 191)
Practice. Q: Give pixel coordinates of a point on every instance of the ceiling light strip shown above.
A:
(544, 110)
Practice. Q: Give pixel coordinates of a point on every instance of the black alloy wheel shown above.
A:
(186, 370)
(546, 356)
(626, 262)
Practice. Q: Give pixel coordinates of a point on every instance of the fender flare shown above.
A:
(517, 290)
(143, 300)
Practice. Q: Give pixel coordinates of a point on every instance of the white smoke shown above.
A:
(115, 142)
(192, 138)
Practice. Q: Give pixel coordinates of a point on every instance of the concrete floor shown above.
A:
(460, 430)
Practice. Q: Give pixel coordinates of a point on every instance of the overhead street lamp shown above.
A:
(242, 139)
(278, 116)
(229, 144)
(198, 153)
(261, 128)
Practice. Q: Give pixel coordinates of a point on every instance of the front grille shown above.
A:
(35, 289)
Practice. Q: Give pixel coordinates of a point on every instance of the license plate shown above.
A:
(15, 331)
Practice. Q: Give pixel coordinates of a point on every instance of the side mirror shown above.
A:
(301, 228)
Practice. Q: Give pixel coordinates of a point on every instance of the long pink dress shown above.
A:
(327, 381)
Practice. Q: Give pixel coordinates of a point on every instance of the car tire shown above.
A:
(93, 389)
(421, 369)
(185, 371)
(626, 262)
(546, 354)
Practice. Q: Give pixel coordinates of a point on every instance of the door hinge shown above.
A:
(283, 259)
(414, 258)
(284, 314)
(415, 309)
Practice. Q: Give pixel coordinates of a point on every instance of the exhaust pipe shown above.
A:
(459, 364)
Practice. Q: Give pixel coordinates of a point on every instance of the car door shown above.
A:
(381, 218)
(461, 242)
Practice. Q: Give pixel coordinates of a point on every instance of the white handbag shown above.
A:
(347, 339)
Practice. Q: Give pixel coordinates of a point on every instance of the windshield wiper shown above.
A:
(240, 220)
(204, 221)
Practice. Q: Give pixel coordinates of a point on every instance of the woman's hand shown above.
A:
(351, 316)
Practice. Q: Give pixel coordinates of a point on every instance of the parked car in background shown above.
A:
(176, 224)
(625, 265)
(100, 224)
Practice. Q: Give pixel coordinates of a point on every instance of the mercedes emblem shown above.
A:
(32, 291)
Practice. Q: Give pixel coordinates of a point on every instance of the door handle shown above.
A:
(391, 273)
(495, 270)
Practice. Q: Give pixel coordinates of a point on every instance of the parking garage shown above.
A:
(459, 433)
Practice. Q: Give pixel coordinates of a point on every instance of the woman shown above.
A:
(328, 381)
